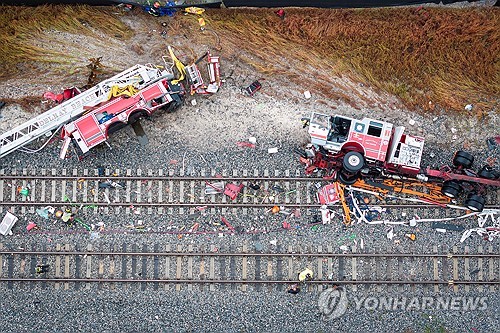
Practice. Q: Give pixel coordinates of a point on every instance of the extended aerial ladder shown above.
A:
(139, 76)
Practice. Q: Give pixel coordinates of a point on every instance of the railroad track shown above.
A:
(161, 190)
(185, 268)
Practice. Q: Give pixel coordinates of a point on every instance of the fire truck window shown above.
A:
(374, 131)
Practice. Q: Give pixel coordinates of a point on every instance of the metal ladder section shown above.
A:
(139, 75)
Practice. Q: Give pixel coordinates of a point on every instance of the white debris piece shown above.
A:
(468, 107)
(272, 150)
(307, 94)
(7, 223)
(390, 234)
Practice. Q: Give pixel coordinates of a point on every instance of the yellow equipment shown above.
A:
(347, 212)
(179, 65)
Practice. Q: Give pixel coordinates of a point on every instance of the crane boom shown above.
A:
(138, 75)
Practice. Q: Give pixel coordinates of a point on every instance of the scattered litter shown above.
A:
(468, 107)
(252, 140)
(195, 227)
(453, 130)
(214, 188)
(7, 223)
(232, 190)
(43, 212)
(411, 122)
(445, 226)
(390, 234)
(24, 192)
(275, 210)
(493, 142)
(253, 88)
(245, 144)
(307, 94)
(286, 225)
(281, 13)
(274, 242)
(272, 150)
(226, 222)
(194, 10)
(31, 225)
(411, 236)
(110, 183)
(344, 248)
(193, 102)
(327, 195)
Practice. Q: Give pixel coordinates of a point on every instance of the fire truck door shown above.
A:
(89, 133)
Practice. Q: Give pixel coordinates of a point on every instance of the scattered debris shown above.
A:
(444, 226)
(272, 150)
(411, 236)
(31, 225)
(8, 222)
(390, 234)
(307, 94)
(245, 144)
(214, 188)
(44, 212)
(468, 107)
(232, 190)
(281, 13)
(253, 88)
(493, 142)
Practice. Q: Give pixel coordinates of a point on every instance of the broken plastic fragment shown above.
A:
(390, 234)
(43, 212)
(30, 226)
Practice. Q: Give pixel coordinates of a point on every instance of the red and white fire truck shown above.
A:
(101, 121)
(349, 149)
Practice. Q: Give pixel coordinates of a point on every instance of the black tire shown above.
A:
(451, 188)
(353, 162)
(463, 159)
(475, 202)
(137, 115)
(346, 180)
(114, 127)
(487, 172)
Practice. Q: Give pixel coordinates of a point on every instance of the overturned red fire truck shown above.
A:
(348, 149)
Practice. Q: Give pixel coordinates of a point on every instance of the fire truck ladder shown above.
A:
(424, 191)
(347, 212)
(138, 75)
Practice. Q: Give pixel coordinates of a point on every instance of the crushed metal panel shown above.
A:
(7, 223)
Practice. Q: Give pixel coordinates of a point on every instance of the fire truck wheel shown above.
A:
(346, 180)
(463, 159)
(475, 202)
(487, 172)
(353, 162)
(451, 188)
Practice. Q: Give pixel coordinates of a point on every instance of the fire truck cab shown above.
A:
(364, 143)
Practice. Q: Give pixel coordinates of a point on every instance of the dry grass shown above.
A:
(20, 27)
(447, 56)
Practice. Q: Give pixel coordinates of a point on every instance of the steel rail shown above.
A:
(209, 204)
(198, 281)
(186, 178)
(219, 254)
